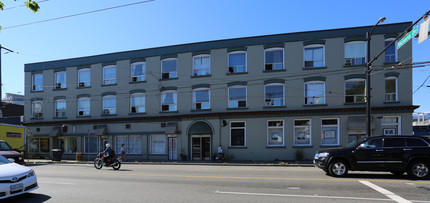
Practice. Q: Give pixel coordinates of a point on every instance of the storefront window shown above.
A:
(68, 144)
(38, 145)
(132, 144)
(275, 133)
(302, 132)
(90, 145)
(158, 144)
(330, 131)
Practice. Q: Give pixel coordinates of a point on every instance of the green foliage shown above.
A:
(32, 5)
(1, 5)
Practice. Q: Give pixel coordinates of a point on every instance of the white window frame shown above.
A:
(138, 78)
(313, 46)
(306, 100)
(397, 125)
(81, 82)
(170, 105)
(109, 81)
(365, 52)
(170, 73)
(83, 110)
(194, 103)
(107, 110)
(396, 53)
(36, 87)
(36, 114)
(283, 58)
(237, 101)
(396, 91)
(236, 67)
(138, 106)
(195, 70)
(355, 96)
(271, 102)
(57, 112)
(60, 84)
(301, 126)
(151, 147)
(276, 127)
(125, 139)
(244, 132)
(330, 126)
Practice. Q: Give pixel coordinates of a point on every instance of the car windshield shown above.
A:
(353, 144)
(4, 160)
(4, 146)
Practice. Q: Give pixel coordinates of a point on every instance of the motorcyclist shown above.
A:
(109, 154)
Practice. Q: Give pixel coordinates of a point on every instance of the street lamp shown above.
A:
(368, 70)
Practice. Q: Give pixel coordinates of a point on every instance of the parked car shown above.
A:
(395, 154)
(7, 151)
(15, 179)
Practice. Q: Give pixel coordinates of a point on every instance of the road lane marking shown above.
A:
(385, 192)
(303, 196)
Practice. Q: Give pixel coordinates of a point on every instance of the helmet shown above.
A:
(108, 145)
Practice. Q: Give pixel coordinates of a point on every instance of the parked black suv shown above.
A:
(396, 154)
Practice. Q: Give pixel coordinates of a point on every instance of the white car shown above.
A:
(15, 179)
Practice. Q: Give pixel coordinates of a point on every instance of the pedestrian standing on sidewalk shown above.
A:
(123, 157)
(220, 155)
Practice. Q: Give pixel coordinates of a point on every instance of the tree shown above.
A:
(32, 5)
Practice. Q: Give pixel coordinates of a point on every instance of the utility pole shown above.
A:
(1, 102)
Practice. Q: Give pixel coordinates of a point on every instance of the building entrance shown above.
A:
(201, 147)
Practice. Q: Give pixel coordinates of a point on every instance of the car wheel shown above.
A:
(419, 170)
(338, 168)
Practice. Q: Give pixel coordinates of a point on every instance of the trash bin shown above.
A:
(79, 156)
(56, 154)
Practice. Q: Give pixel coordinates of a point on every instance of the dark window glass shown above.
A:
(238, 124)
(394, 142)
(237, 137)
(416, 143)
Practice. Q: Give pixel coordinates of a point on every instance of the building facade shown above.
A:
(274, 97)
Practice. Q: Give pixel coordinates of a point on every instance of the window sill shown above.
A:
(201, 76)
(239, 108)
(312, 105)
(349, 104)
(137, 82)
(83, 116)
(134, 114)
(391, 102)
(274, 107)
(274, 71)
(34, 91)
(84, 87)
(355, 66)
(107, 85)
(275, 147)
(166, 79)
(59, 89)
(314, 68)
(199, 110)
(107, 115)
(304, 146)
(59, 118)
(329, 146)
(238, 147)
(240, 73)
(168, 111)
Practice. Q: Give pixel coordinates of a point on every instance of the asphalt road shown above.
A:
(202, 183)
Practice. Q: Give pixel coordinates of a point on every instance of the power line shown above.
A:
(8, 8)
(78, 14)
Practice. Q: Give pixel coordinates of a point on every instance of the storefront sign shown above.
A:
(15, 135)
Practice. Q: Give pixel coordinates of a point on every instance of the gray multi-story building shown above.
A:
(273, 97)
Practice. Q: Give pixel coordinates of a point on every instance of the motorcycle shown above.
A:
(98, 162)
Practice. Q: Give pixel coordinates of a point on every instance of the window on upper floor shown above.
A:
(60, 80)
(60, 108)
(138, 72)
(275, 133)
(237, 97)
(169, 101)
(274, 94)
(237, 62)
(137, 103)
(201, 99)
(274, 59)
(355, 53)
(354, 91)
(109, 75)
(237, 134)
(84, 106)
(109, 105)
(315, 92)
(37, 82)
(302, 132)
(391, 89)
(391, 52)
(330, 131)
(169, 68)
(314, 56)
(201, 65)
(36, 109)
(84, 77)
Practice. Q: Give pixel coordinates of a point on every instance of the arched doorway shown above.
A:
(200, 135)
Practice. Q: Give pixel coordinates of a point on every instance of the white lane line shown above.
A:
(303, 196)
(385, 192)
(45, 182)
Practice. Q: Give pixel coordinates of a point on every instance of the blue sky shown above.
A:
(169, 22)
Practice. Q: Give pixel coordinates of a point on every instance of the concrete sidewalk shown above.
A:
(234, 163)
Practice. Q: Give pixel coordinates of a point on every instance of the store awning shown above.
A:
(101, 130)
(171, 128)
(359, 123)
(56, 131)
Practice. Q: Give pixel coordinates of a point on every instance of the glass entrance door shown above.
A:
(173, 152)
(201, 147)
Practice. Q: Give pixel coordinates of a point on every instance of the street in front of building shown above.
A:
(216, 183)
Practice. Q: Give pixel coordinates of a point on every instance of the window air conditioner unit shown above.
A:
(81, 84)
(198, 106)
(106, 111)
(165, 107)
(242, 103)
(81, 113)
(58, 85)
(269, 102)
(165, 76)
(134, 78)
(348, 62)
(269, 66)
(230, 69)
(133, 109)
